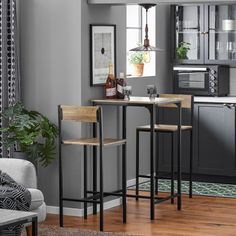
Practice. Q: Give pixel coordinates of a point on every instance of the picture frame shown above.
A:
(102, 52)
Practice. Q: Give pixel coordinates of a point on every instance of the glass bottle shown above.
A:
(110, 86)
(120, 84)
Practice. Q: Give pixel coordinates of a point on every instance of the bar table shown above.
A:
(152, 106)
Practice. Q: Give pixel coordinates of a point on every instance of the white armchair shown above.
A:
(23, 172)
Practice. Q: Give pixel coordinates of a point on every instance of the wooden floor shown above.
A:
(200, 216)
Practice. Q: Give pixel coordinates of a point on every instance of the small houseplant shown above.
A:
(137, 59)
(182, 50)
(29, 132)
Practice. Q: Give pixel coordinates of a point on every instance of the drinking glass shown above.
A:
(127, 90)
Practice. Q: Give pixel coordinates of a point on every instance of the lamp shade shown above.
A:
(146, 46)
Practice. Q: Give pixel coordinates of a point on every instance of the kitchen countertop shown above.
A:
(229, 99)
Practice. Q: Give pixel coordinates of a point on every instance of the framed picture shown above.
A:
(103, 52)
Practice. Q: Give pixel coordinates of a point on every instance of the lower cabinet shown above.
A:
(214, 139)
(214, 142)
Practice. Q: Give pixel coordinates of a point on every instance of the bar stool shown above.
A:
(88, 114)
(187, 103)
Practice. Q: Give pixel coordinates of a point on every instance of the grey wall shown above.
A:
(92, 14)
(50, 33)
(55, 70)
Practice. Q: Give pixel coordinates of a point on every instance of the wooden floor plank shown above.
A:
(200, 216)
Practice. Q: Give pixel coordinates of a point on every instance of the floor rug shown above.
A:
(199, 188)
(48, 230)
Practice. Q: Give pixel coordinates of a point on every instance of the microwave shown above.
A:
(201, 80)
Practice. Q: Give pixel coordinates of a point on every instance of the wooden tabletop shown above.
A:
(136, 101)
(12, 216)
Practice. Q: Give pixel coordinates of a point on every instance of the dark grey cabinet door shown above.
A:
(220, 39)
(214, 140)
(188, 35)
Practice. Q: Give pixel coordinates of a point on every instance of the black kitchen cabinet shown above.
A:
(214, 139)
(209, 31)
(214, 142)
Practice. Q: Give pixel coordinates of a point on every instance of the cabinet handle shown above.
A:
(230, 106)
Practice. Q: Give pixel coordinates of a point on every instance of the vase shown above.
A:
(138, 69)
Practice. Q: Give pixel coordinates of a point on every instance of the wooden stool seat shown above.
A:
(94, 141)
(166, 128)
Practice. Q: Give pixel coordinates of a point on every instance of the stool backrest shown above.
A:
(187, 100)
(88, 114)
(187, 103)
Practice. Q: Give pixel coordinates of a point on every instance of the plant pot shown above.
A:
(138, 69)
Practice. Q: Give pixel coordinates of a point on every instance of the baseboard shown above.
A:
(80, 211)
(69, 211)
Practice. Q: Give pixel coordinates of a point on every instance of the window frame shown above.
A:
(141, 29)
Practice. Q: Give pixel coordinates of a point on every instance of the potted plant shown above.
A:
(29, 132)
(182, 50)
(137, 60)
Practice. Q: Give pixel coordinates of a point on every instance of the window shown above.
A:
(135, 25)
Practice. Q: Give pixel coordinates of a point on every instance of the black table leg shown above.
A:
(60, 169)
(179, 156)
(152, 154)
(35, 226)
(137, 165)
(94, 168)
(124, 178)
(85, 181)
(191, 165)
(157, 162)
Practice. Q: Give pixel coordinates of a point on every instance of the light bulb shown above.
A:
(147, 57)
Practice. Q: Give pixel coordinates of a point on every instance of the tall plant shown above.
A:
(31, 132)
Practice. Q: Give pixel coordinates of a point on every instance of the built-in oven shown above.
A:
(203, 80)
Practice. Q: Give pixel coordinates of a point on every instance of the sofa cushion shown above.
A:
(22, 171)
(37, 198)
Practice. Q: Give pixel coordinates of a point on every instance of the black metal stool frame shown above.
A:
(96, 197)
(172, 133)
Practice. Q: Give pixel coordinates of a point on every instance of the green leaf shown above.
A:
(32, 131)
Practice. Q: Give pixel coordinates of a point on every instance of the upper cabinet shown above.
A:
(221, 38)
(124, 2)
(188, 34)
(204, 34)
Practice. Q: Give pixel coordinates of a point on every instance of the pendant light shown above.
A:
(146, 46)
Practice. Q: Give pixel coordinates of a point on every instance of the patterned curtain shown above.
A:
(9, 66)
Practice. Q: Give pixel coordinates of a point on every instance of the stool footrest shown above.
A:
(81, 200)
(117, 193)
(157, 199)
(162, 199)
(161, 176)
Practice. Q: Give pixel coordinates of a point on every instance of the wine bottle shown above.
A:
(110, 86)
(120, 84)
